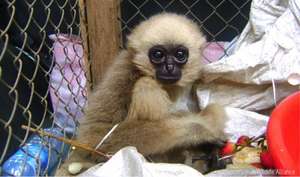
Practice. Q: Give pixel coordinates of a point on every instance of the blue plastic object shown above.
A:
(38, 157)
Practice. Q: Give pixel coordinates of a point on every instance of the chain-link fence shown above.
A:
(42, 70)
(220, 20)
(42, 82)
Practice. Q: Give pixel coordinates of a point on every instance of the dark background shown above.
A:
(220, 20)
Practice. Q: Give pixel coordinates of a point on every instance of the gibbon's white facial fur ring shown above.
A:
(168, 29)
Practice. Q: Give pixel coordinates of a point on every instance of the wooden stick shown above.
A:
(67, 141)
(102, 21)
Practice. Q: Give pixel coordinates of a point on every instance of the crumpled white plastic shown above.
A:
(243, 122)
(129, 163)
(267, 49)
(255, 76)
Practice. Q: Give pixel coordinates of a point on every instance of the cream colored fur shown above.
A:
(166, 29)
(130, 95)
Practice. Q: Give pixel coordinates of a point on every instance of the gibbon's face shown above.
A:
(167, 47)
(168, 61)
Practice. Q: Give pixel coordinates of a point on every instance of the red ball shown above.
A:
(227, 149)
(266, 160)
(243, 141)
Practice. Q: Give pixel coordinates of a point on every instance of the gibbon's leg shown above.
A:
(152, 130)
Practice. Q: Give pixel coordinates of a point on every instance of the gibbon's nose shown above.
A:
(170, 68)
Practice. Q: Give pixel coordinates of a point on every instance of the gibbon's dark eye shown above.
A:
(181, 55)
(156, 55)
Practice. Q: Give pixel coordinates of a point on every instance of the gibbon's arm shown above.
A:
(152, 130)
(109, 102)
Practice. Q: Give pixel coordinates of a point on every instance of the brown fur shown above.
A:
(130, 95)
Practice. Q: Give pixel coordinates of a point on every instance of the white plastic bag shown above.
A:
(129, 163)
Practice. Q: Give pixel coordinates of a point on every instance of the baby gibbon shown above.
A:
(141, 89)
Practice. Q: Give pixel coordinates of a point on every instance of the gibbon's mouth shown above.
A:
(168, 79)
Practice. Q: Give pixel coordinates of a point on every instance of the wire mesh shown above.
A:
(220, 20)
(42, 79)
(42, 75)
